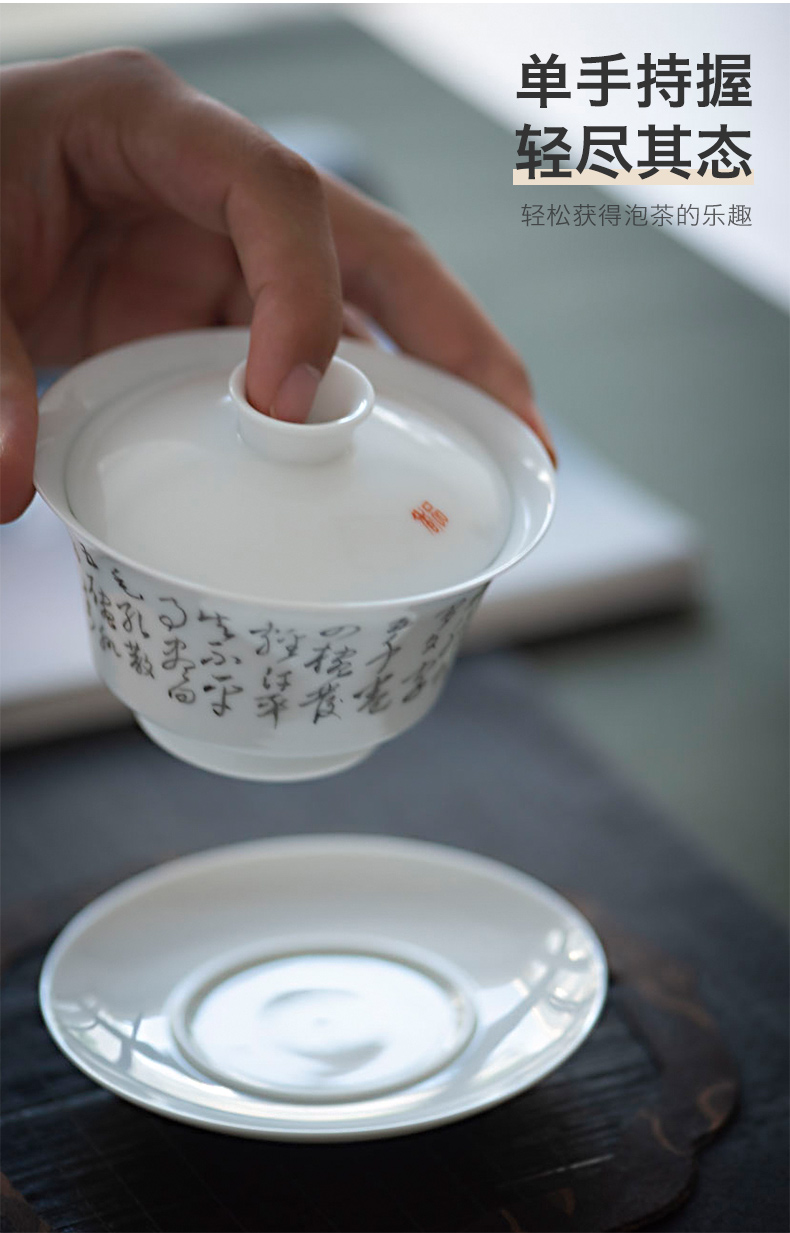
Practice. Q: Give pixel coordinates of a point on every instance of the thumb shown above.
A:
(18, 422)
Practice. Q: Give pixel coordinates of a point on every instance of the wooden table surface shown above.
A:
(490, 770)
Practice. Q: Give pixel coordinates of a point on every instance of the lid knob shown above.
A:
(344, 399)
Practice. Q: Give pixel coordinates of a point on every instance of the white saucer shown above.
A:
(323, 987)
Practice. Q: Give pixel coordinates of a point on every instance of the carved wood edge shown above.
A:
(655, 1164)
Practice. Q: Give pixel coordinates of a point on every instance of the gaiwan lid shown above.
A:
(375, 498)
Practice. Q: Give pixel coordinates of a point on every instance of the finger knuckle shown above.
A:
(296, 172)
(133, 63)
(131, 78)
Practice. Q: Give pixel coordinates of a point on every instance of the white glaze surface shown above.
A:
(256, 685)
(166, 477)
(498, 980)
(322, 1025)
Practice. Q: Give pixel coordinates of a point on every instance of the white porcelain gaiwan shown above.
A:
(274, 600)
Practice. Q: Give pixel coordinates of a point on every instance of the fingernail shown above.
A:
(296, 395)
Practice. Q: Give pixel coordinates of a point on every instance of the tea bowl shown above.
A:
(284, 683)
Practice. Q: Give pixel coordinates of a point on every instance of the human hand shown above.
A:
(133, 205)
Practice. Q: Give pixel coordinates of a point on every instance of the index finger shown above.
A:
(142, 136)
